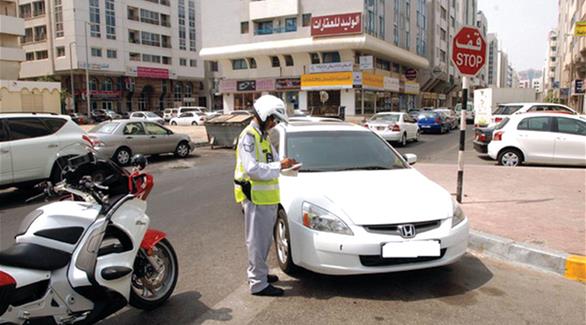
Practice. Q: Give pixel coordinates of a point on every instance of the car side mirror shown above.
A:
(411, 158)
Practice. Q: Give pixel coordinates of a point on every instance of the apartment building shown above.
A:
(141, 54)
(551, 73)
(363, 55)
(481, 80)
(16, 96)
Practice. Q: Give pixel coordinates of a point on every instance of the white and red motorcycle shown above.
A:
(81, 259)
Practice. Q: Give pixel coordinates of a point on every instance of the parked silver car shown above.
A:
(120, 139)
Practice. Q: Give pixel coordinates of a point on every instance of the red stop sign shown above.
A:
(469, 51)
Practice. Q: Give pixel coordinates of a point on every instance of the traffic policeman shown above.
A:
(256, 187)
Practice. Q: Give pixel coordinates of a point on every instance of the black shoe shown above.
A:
(271, 278)
(270, 291)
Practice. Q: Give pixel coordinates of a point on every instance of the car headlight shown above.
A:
(320, 219)
(458, 216)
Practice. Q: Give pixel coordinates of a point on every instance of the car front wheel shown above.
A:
(122, 156)
(283, 244)
(173, 123)
(510, 157)
(182, 150)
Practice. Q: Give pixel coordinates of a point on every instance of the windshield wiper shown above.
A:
(364, 168)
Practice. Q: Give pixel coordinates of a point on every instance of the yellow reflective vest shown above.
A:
(262, 192)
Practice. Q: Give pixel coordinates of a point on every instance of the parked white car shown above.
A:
(189, 118)
(543, 138)
(391, 126)
(147, 117)
(505, 110)
(35, 147)
(351, 210)
(469, 112)
(169, 113)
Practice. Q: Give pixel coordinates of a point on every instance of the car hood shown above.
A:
(373, 197)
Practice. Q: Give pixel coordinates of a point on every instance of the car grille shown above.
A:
(378, 260)
(392, 229)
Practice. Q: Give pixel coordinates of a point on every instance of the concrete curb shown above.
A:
(570, 266)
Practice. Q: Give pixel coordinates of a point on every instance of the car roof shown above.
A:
(389, 113)
(19, 114)
(532, 103)
(324, 125)
(545, 114)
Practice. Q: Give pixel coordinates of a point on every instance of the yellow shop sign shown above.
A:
(319, 81)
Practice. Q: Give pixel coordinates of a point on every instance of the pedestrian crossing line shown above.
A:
(239, 307)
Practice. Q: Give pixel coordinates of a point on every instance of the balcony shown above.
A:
(265, 9)
(11, 25)
(12, 54)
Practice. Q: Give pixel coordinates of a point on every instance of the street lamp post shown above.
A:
(87, 70)
(71, 76)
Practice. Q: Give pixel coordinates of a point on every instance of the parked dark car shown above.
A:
(483, 136)
(100, 115)
(433, 122)
(80, 119)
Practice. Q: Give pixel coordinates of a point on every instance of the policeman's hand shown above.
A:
(287, 163)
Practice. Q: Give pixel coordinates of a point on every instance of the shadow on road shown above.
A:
(453, 284)
(183, 308)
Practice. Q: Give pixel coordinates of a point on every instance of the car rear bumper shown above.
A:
(344, 255)
(390, 135)
(480, 147)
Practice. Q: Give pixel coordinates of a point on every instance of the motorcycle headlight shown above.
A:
(458, 214)
(320, 219)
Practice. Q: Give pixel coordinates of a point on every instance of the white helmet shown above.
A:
(268, 105)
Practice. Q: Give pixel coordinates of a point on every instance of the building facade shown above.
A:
(551, 73)
(482, 24)
(18, 96)
(361, 56)
(141, 55)
(492, 64)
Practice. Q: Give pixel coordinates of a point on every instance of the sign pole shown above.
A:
(462, 138)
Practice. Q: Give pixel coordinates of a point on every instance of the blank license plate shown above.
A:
(411, 249)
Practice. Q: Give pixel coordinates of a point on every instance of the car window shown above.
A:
(54, 124)
(138, 115)
(385, 118)
(26, 127)
(155, 129)
(105, 128)
(571, 126)
(3, 132)
(507, 109)
(341, 150)
(149, 114)
(541, 123)
(562, 109)
(186, 115)
(134, 129)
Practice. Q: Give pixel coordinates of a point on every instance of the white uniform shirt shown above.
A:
(254, 169)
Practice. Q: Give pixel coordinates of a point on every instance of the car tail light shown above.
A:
(498, 136)
(481, 137)
(88, 140)
(395, 128)
(6, 279)
(365, 125)
(438, 120)
(498, 119)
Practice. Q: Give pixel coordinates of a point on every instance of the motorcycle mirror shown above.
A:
(139, 161)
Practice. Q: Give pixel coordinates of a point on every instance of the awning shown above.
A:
(301, 45)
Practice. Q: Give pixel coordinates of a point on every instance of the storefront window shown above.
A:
(93, 84)
(244, 101)
(178, 91)
(188, 90)
(107, 85)
(331, 57)
(317, 105)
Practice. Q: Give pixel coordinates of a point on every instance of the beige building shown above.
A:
(551, 73)
(141, 55)
(571, 54)
(18, 96)
(363, 55)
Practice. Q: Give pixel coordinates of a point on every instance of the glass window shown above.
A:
(183, 62)
(264, 27)
(107, 84)
(314, 58)
(54, 124)
(149, 17)
(182, 26)
(341, 150)
(290, 24)
(535, 124)
(60, 51)
(151, 39)
(275, 62)
(58, 18)
(507, 109)
(571, 126)
(3, 132)
(97, 52)
(95, 18)
(105, 128)
(112, 54)
(42, 55)
(192, 33)
(244, 27)
(306, 20)
(93, 84)
(30, 56)
(289, 61)
(239, 64)
(252, 63)
(193, 63)
(110, 20)
(26, 128)
(134, 128)
(178, 91)
(134, 56)
(153, 128)
(331, 57)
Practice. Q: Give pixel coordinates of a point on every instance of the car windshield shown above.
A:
(428, 115)
(385, 118)
(459, 107)
(150, 114)
(106, 128)
(329, 151)
(507, 109)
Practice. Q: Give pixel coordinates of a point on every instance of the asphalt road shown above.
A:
(192, 201)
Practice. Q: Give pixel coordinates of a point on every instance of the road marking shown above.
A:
(240, 306)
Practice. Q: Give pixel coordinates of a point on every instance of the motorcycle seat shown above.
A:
(33, 256)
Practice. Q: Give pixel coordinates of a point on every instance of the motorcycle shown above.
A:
(79, 260)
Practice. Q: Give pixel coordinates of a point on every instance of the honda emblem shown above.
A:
(407, 231)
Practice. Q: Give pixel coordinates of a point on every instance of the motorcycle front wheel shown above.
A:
(152, 284)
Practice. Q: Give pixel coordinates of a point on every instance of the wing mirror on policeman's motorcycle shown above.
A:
(139, 161)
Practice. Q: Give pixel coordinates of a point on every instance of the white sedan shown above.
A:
(397, 127)
(543, 138)
(351, 210)
(147, 116)
(189, 118)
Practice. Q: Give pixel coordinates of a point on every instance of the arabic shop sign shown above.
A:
(343, 24)
(331, 67)
(288, 84)
(246, 85)
(580, 29)
(367, 62)
(373, 81)
(323, 81)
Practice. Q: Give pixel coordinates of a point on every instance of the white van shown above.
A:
(469, 112)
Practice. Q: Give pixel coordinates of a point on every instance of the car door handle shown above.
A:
(53, 146)
(129, 138)
(153, 137)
